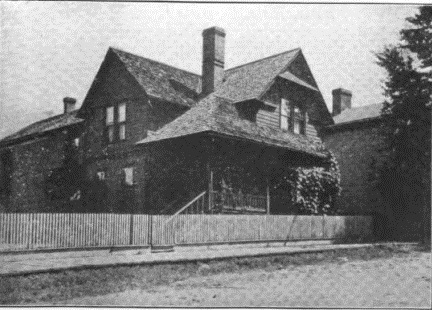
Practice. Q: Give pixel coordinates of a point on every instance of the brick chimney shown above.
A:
(69, 104)
(213, 59)
(341, 100)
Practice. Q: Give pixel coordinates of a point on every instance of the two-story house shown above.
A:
(157, 136)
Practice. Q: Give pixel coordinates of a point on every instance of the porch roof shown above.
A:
(220, 115)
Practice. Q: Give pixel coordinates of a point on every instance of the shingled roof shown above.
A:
(250, 80)
(43, 126)
(160, 80)
(220, 115)
(357, 114)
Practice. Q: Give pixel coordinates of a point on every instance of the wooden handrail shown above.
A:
(169, 206)
(186, 206)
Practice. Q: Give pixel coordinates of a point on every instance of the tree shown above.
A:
(407, 116)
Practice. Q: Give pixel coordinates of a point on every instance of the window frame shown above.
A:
(121, 123)
(101, 175)
(115, 131)
(284, 117)
(125, 175)
(293, 117)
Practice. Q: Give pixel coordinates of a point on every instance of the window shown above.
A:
(101, 175)
(109, 122)
(122, 121)
(299, 121)
(128, 175)
(285, 114)
(115, 121)
(292, 117)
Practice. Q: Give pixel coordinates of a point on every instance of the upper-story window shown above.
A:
(292, 117)
(115, 121)
(122, 121)
(299, 121)
(110, 123)
(285, 114)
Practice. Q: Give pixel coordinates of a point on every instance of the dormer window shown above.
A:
(285, 114)
(299, 121)
(115, 122)
(292, 117)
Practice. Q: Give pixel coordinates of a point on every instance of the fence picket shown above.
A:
(46, 230)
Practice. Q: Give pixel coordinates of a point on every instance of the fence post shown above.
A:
(268, 197)
(131, 223)
(150, 230)
(323, 225)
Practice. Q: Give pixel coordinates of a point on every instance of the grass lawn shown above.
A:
(48, 288)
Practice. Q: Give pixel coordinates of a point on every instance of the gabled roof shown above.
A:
(219, 115)
(291, 77)
(160, 80)
(358, 114)
(251, 80)
(44, 126)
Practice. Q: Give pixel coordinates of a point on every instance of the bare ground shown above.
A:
(397, 281)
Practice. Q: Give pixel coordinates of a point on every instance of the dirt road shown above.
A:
(393, 282)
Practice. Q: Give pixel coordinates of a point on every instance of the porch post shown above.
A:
(210, 188)
(210, 154)
(268, 196)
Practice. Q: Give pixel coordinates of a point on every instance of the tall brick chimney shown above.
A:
(341, 100)
(69, 104)
(213, 59)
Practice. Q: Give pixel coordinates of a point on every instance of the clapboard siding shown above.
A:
(311, 131)
(271, 119)
(268, 118)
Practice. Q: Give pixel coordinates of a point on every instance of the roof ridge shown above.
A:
(156, 61)
(47, 120)
(268, 57)
(44, 120)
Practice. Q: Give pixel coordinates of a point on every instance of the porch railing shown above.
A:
(231, 202)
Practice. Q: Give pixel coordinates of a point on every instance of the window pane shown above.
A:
(284, 122)
(122, 132)
(122, 112)
(285, 107)
(109, 115)
(101, 175)
(111, 133)
(296, 126)
(128, 173)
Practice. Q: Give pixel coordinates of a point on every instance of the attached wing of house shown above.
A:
(43, 127)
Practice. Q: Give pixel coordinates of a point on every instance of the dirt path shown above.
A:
(394, 282)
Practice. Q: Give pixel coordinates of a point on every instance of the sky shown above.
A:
(50, 50)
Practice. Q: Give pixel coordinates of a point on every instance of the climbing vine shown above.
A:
(314, 190)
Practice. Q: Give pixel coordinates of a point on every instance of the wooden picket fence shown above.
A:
(205, 229)
(20, 231)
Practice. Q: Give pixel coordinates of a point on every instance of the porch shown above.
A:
(209, 174)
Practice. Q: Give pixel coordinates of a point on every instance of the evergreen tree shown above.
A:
(407, 117)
